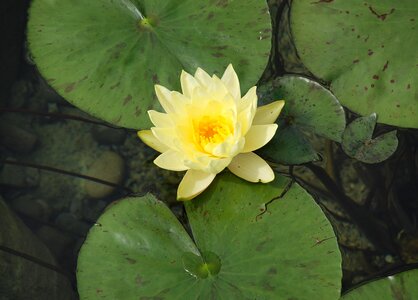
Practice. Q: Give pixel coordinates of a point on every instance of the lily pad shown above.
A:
(400, 286)
(105, 56)
(366, 50)
(248, 246)
(309, 108)
(359, 144)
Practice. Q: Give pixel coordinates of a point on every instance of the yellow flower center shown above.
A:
(212, 130)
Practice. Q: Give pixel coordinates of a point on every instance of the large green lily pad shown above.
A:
(400, 286)
(105, 56)
(248, 246)
(358, 141)
(309, 108)
(366, 50)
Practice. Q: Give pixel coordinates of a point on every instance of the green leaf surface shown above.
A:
(248, 246)
(102, 56)
(366, 50)
(309, 108)
(358, 141)
(400, 286)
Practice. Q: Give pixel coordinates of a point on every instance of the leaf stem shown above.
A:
(52, 169)
(367, 222)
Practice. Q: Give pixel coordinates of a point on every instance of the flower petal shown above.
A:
(251, 167)
(171, 160)
(167, 136)
(246, 109)
(151, 141)
(268, 114)
(164, 97)
(208, 164)
(231, 81)
(258, 136)
(203, 77)
(188, 84)
(194, 182)
(160, 119)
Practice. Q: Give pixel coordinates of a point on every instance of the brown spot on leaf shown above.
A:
(380, 16)
(219, 48)
(375, 77)
(116, 121)
(69, 88)
(408, 86)
(217, 54)
(370, 52)
(392, 81)
(222, 3)
(131, 260)
(127, 99)
(272, 271)
(115, 85)
(385, 66)
(155, 79)
(138, 280)
(138, 111)
(356, 61)
(322, 1)
(210, 15)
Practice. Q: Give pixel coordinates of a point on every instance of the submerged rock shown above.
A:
(110, 167)
(17, 139)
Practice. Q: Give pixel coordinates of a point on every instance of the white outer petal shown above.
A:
(246, 109)
(231, 81)
(166, 136)
(188, 84)
(267, 114)
(202, 77)
(151, 141)
(171, 160)
(193, 183)
(164, 97)
(160, 119)
(251, 167)
(258, 136)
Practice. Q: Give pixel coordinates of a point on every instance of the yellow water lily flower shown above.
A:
(209, 127)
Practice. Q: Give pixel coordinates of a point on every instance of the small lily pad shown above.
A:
(400, 286)
(366, 50)
(247, 246)
(105, 56)
(359, 144)
(309, 108)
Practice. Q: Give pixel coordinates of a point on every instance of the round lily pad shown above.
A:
(309, 108)
(247, 246)
(400, 286)
(105, 56)
(366, 50)
(358, 141)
